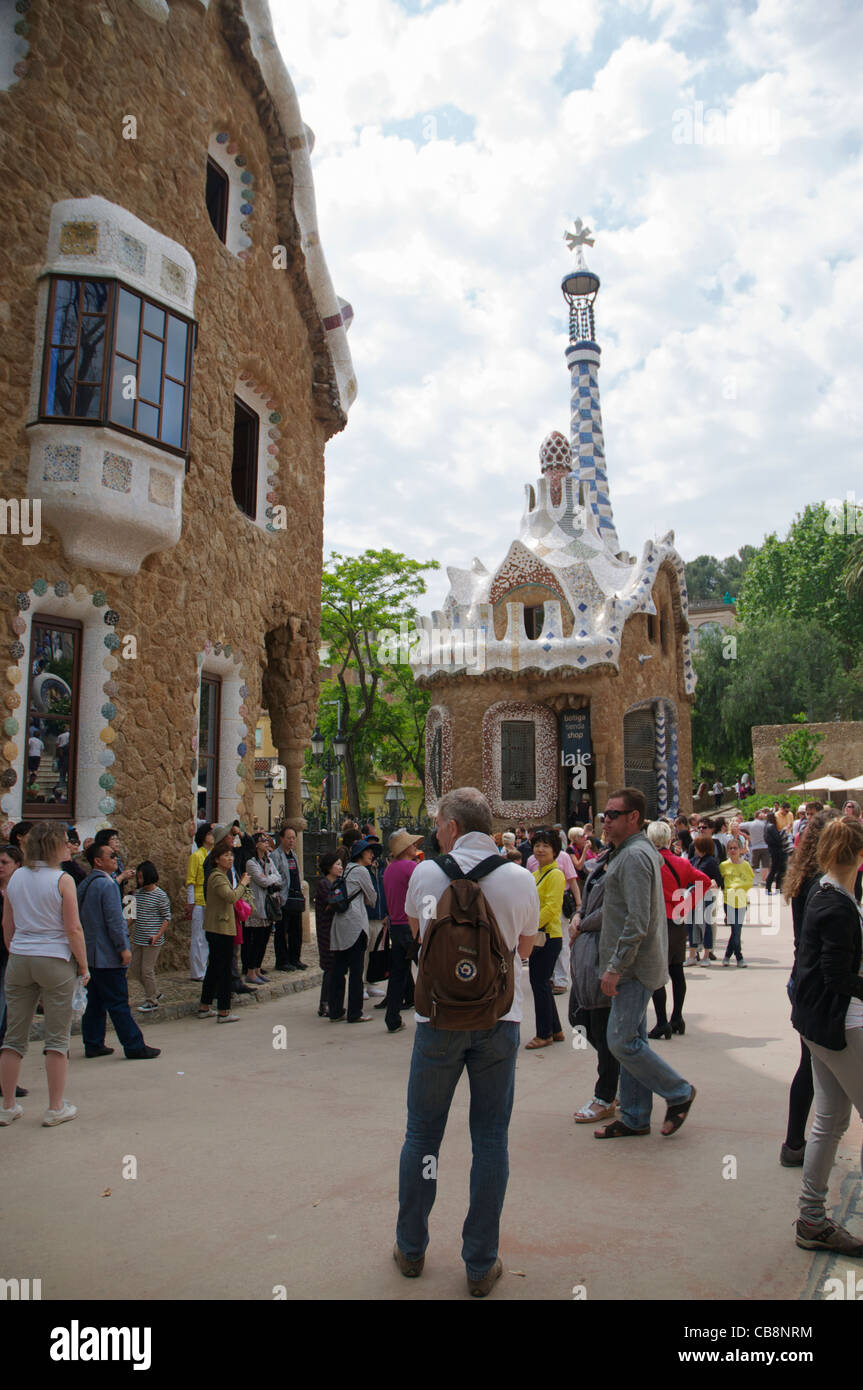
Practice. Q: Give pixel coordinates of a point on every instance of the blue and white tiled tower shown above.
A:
(580, 288)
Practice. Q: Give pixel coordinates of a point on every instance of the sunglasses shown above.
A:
(612, 815)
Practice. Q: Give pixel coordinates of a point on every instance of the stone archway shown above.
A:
(290, 695)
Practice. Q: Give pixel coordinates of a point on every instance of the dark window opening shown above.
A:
(218, 189)
(436, 762)
(244, 469)
(52, 719)
(533, 619)
(651, 628)
(518, 760)
(208, 748)
(114, 357)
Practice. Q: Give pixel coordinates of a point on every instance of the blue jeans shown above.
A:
(108, 993)
(735, 916)
(540, 968)
(438, 1059)
(641, 1071)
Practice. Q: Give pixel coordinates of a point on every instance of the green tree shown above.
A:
(362, 596)
(799, 751)
(708, 579)
(802, 578)
(853, 576)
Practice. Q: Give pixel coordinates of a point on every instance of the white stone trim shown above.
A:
(236, 240)
(94, 673)
(232, 732)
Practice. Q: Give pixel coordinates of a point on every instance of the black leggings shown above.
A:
(800, 1100)
(777, 871)
(254, 947)
(678, 994)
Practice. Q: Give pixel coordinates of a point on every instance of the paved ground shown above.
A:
(259, 1166)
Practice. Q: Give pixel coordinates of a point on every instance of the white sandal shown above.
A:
(595, 1110)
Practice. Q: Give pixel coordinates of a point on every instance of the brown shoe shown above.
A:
(538, 1042)
(558, 1037)
(411, 1269)
(481, 1288)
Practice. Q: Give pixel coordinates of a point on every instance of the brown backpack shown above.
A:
(465, 976)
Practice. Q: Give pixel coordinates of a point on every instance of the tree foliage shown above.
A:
(802, 577)
(799, 751)
(709, 580)
(780, 668)
(382, 712)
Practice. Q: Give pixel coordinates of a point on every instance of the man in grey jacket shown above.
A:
(633, 961)
(101, 911)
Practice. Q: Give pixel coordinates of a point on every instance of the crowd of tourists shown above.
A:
(625, 904)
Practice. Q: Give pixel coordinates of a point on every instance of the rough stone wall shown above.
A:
(841, 749)
(227, 580)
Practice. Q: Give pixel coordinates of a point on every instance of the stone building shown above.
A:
(567, 668)
(173, 361)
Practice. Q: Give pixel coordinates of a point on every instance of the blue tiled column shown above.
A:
(588, 446)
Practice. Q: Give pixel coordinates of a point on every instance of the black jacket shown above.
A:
(827, 969)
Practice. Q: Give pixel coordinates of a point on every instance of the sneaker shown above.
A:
(363, 1018)
(298, 965)
(376, 993)
(228, 1018)
(741, 964)
(726, 960)
(411, 1269)
(98, 1051)
(147, 1007)
(143, 1053)
(365, 994)
(480, 1288)
(705, 963)
(206, 1013)
(59, 1117)
(830, 1237)
(7, 1116)
(792, 1158)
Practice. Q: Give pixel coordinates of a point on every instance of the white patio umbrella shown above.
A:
(855, 785)
(825, 784)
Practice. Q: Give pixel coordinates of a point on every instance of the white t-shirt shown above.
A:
(755, 831)
(510, 891)
(36, 748)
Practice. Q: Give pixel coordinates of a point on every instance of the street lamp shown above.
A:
(268, 788)
(331, 765)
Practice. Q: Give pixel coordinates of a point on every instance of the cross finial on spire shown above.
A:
(582, 236)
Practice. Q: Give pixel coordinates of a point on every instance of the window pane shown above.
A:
(150, 379)
(95, 294)
(217, 198)
(172, 414)
(52, 716)
(154, 320)
(88, 402)
(91, 349)
(122, 411)
(175, 361)
(65, 326)
(128, 319)
(58, 399)
(148, 420)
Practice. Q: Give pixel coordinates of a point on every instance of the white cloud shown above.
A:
(730, 264)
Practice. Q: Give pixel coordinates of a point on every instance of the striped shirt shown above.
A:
(152, 906)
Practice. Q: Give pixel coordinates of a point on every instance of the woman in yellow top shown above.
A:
(737, 879)
(550, 884)
(221, 928)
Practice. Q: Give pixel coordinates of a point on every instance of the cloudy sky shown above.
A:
(715, 151)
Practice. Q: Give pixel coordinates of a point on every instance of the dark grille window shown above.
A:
(435, 762)
(518, 760)
(533, 618)
(208, 748)
(244, 470)
(217, 198)
(113, 357)
(52, 719)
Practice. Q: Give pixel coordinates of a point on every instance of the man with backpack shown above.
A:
(474, 931)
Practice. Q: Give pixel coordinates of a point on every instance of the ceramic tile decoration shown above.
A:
(116, 472)
(62, 463)
(173, 278)
(132, 253)
(79, 239)
(62, 588)
(162, 488)
(545, 753)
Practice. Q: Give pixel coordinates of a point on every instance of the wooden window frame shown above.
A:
(111, 351)
(221, 231)
(47, 810)
(214, 757)
(250, 490)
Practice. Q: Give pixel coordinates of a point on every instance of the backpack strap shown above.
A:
(454, 871)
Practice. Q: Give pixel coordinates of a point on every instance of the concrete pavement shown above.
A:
(264, 1168)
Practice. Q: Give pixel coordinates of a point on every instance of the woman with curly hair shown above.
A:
(801, 877)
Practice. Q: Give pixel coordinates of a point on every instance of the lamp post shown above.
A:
(268, 788)
(332, 764)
